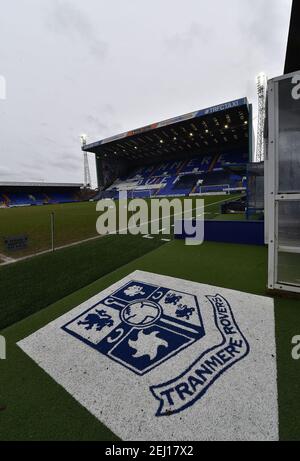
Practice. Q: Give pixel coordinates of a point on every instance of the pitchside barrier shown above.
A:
(212, 189)
(255, 189)
(240, 232)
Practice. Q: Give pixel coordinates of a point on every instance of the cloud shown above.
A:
(264, 29)
(101, 68)
(25, 174)
(68, 19)
(103, 127)
(4, 171)
(66, 160)
(30, 166)
(186, 41)
(66, 164)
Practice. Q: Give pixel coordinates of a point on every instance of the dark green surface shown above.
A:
(37, 408)
(30, 285)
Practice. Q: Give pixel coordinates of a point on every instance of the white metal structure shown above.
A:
(261, 82)
(87, 174)
(282, 171)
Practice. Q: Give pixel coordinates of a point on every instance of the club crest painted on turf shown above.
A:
(141, 326)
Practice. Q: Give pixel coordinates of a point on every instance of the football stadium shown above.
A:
(140, 333)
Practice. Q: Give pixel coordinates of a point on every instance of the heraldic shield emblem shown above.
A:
(151, 353)
(140, 325)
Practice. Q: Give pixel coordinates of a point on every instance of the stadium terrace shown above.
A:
(200, 152)
(22, 194)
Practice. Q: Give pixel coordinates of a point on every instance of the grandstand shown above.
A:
(13, 194)
(193, 154)
(67, 373)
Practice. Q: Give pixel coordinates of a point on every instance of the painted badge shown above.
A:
(141, 326)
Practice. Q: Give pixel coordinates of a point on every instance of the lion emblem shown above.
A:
(100, 319)
(184, 312)
(172, 298)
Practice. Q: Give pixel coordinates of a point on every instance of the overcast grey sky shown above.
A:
(101, 67)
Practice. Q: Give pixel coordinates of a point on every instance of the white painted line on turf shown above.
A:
(69, 245)
(168, 216)
(7, 259)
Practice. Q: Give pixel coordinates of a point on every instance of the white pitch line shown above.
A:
(11, 260)
(173, 215)
(7, 259)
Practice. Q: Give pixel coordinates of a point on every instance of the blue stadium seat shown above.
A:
(182, 177)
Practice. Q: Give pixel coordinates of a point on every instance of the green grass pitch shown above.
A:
(74, 222)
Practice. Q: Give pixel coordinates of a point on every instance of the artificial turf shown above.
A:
(39, 409)
(30, 285)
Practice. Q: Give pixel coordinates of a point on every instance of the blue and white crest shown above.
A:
(159, 358)
(140, 325)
